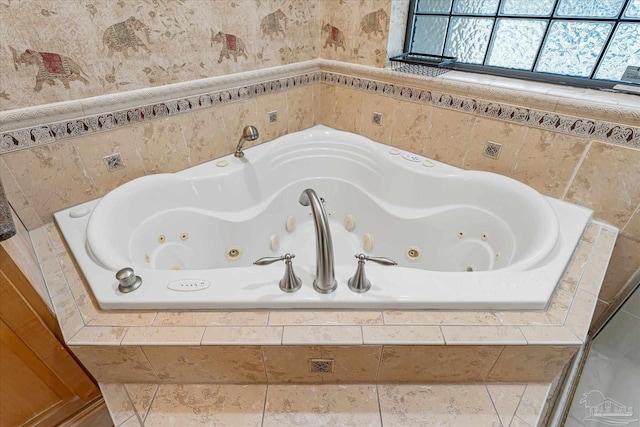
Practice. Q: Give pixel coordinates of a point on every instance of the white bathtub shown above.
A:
(477, 240)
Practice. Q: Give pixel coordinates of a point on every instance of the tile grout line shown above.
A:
(153, 398)
(135, 411)
(494, 405)
(515, 413)
(264, 407)
(634, 213)
(493, 365)
(379, 404)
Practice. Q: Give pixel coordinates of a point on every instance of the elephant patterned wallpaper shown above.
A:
(59, 50)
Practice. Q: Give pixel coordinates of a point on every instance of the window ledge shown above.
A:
(563, 93)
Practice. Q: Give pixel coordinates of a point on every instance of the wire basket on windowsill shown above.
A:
(421, 64)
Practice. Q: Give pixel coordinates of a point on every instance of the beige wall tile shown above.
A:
(411, 126)
(449, 135)
(347, 110)
(437, 363)
(290, 364)
(161, 145)
(223, 405)
(632, 229)
(607, 182)
(205, 135)
(236, 116)
(117, 400)
(352, 364)
(242, 335)
(402, 335)
(328, 104)
(141, 396)
(321, 405)
(300, 106)
(601, 308)
(317, 103)
(12, 190)
(30, 218)
(206, 364)
(214, 318)
(277, 102)
(98, 335)
(52, 177)
(624, 261)
(486, 335)
(54, 277)
(325, 318)
(531, 363)
(510, 135)
(115, 364)
(93, 148)
(547, 160)
(506, 399)
(165, 335)
(322, 335)
(384, 105)
(440, 318)
(459, 405)
(21, 250)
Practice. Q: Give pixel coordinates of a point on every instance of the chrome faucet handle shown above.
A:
(358, 282)
(128, 281)
(290, 282)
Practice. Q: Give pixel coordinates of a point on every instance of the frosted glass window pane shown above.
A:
(515, 43)
(476, 7)
(434, 6)
(572, 48)
(623, 50)
(468, 39)
(429, 35)
(527, 7)
(589, 8)
(633, 9)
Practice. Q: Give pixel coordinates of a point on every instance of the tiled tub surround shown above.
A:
(326, 404)
(374, 346)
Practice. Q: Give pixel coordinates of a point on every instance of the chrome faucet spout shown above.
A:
(249, 133)
(325, 281)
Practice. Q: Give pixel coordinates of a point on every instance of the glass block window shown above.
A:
(581, 42)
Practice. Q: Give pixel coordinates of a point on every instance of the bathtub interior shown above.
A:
(450, 238)
(456, 221)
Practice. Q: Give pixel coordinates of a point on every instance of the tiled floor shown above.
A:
(475, 405)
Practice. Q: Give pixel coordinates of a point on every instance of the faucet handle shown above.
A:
(290, 282)
(358, 282)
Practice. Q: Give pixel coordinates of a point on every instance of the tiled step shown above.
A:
(476, 405)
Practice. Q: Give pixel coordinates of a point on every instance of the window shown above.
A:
(592, 43)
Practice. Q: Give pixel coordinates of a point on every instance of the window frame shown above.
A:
(536, 76)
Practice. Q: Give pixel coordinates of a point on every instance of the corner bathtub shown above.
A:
(462, 239)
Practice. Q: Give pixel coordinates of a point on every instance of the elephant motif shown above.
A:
(271, 26)
(373, 23)
(121, 36)
(231, 45)
(335, 37)
(51, 67)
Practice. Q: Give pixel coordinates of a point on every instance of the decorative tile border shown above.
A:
(48, 133)
(595, 129)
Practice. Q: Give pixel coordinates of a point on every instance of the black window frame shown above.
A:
(537, 76)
